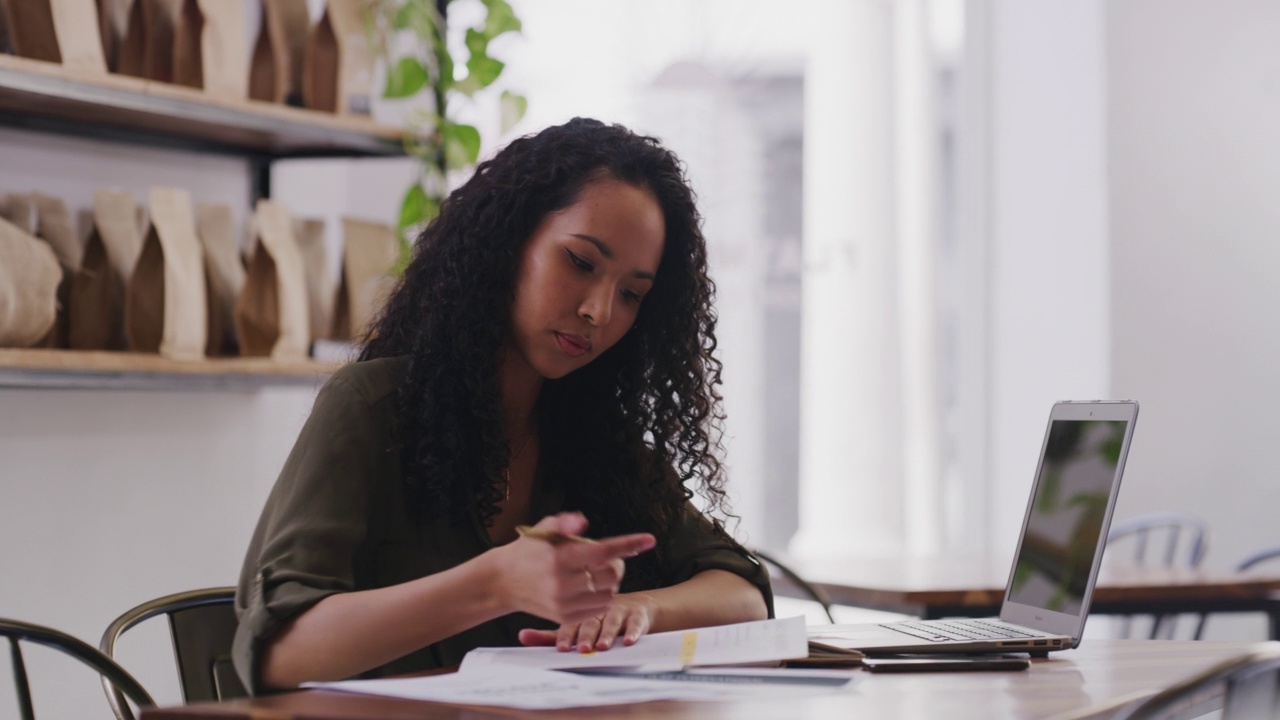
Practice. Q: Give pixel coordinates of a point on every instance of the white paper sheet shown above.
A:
(533, 689)
(531, 678)
(748, 642)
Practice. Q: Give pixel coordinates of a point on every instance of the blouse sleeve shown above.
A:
(695, 546)
(305, 544)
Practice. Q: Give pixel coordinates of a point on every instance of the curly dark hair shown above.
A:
(626, 435)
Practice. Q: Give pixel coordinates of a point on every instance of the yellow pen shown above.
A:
(551, 536)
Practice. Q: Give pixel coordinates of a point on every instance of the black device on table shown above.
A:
(945, 663)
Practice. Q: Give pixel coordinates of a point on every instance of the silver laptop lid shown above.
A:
(1065, 528)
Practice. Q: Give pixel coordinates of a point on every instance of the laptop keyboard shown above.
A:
(942, 630)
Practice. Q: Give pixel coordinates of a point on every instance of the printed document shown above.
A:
(655, 668)
(750, 642)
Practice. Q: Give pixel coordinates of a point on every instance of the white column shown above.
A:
(850, 459)
(1048, 249)
(918, 171)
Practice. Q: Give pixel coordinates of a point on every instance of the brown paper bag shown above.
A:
(369, 252)
(147, 51)
(188, 31)
(275, 71)
(113, 23)
(79, 42)
(6, 43)
(339, 65)
(210, 48)
(54, 226)
(271, 312)
(29, 277)
(320, 284)
(20, 210)
(225, 275)
(164, 306)
(96, 306)
(31, 30)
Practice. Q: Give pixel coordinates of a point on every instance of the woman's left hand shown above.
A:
(629, 616)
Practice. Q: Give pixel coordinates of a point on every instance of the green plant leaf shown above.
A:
(461, 146)
(414, 208)
(403, 17)
(406, 78)
(404, 257)
(512, 108)
(420, 16)
(483, 70)
(477, 42)
(501, 19)
(445, 61)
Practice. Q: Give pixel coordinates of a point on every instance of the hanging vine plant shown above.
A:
(440, 143)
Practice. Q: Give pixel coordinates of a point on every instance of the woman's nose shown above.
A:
(597, 307)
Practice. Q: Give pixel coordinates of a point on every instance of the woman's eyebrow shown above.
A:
(604, 249)
(608, 253)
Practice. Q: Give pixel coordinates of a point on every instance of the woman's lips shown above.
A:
(573, 345)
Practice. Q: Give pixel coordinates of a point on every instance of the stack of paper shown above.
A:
(658, 667)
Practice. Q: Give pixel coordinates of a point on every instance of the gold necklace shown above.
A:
(510, 461)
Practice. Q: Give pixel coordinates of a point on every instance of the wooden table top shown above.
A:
(1089, 681)
(914, 585)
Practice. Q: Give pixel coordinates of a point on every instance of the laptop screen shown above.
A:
(1067, 514)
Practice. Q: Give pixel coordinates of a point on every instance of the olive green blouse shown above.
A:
(337, 520)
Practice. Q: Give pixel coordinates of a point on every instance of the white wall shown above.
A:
(1194, 148)
(1047, 262)
(110, 498)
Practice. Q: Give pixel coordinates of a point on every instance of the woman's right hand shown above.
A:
(566, 582)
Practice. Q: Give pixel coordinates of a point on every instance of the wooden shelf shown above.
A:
(45, 96)
(73, 369)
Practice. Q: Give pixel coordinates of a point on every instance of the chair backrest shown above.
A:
(1164, 539)
(1254, 558)
(788, 582)
(112, 674)
(1260, 556)
(1169, 539)
(1248, 683)
(203, 625)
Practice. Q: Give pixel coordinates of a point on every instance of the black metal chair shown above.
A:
(1247, 685)
(1165, 539)
(788, 582)
(1273, 614)
(113, 675)
(202, 624)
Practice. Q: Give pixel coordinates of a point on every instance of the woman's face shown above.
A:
(584, 273)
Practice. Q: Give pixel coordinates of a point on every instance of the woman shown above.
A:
(547, 357)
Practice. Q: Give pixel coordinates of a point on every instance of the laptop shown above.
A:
(1055, 568)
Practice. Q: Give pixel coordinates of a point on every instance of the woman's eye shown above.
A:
(632, 296)
(579, 261)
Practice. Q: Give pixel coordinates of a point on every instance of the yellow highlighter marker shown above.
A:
(551, 536)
